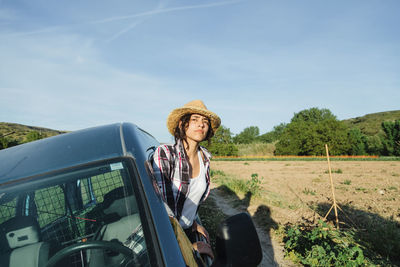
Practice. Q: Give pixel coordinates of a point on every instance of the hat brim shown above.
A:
(176, 115)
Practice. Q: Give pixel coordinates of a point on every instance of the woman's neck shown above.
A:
(191, 147)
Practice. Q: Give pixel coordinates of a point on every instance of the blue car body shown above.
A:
(23, 166)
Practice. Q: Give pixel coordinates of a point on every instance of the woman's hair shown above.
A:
(180, 130)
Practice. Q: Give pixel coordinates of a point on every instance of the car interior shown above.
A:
(83, 217)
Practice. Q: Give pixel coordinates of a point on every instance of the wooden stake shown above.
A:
(333, 189)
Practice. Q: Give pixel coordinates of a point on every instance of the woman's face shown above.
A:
(197, 128)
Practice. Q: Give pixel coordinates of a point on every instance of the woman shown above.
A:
(185, 166)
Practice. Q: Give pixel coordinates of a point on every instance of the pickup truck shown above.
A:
(89, 198)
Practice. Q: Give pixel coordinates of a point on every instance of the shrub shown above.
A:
(220, 149)
(323, 246)
(254, 185)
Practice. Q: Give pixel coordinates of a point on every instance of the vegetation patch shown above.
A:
(347, 182)
(308, 191)
(234, 185)
(334, 171)
(322, 245)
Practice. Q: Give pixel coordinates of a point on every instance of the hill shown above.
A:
(370, 124)
(17, 132)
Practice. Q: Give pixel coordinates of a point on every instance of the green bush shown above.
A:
(254, 185)
(323, 246)
(219, 149)
(221, 143)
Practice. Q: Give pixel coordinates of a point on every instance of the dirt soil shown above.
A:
(293, 190)
(292, 187)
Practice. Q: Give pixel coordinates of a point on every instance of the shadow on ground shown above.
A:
(211, 217)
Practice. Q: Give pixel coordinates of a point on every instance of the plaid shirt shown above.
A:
(172, 169)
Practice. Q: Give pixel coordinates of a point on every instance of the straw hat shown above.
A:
(193, 107)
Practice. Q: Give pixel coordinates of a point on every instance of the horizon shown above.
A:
(261, 133)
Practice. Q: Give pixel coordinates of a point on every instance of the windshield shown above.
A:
(94, 208)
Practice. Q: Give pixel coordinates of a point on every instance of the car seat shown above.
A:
(121, 219)
(21, 243)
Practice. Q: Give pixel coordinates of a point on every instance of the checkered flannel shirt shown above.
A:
(171, 165)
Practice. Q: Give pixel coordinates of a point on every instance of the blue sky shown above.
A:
(69, 65)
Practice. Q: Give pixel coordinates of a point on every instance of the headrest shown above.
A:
(21, 231)
(110, 197)
(115, 201)
(123, 207)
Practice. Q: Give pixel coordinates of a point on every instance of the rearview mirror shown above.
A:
(237, 242)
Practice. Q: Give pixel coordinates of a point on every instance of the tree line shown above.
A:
(305, 135)
(308, 132)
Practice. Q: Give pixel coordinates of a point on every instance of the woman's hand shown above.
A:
(203, 248)
(200, 229)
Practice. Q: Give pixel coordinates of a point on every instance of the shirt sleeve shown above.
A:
(162, 169)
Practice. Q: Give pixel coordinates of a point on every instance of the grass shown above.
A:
(308, 191)
(335, 171)
(256, 149)
(362, 189)
(238, 185)
(305, 158)
(18, 132)
(347, 182)
(316, 180)
(249, 190)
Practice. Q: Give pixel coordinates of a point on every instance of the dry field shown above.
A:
(292, 189)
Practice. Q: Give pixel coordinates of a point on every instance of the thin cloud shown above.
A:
(159, 10)
(164, 10)
(43, 30)
(130, 27)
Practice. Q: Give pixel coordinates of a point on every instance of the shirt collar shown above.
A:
(180, 148)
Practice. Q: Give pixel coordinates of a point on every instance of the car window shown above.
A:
(47, 205)
(8, 207)
(95, 203)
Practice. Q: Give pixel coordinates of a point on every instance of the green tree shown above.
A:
(391, 140)
(273, 135)
(313, 115)
(247, 136)
(374, 145)
(309, 131)
(357, 142)
(222, 136)
(222, 143)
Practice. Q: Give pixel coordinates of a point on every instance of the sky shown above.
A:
(69, 65)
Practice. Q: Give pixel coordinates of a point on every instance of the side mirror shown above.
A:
(237, 242)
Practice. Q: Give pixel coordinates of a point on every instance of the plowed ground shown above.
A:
(294, 190)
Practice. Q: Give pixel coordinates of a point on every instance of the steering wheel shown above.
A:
(99, 244)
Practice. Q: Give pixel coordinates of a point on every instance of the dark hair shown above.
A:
(180, 132)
